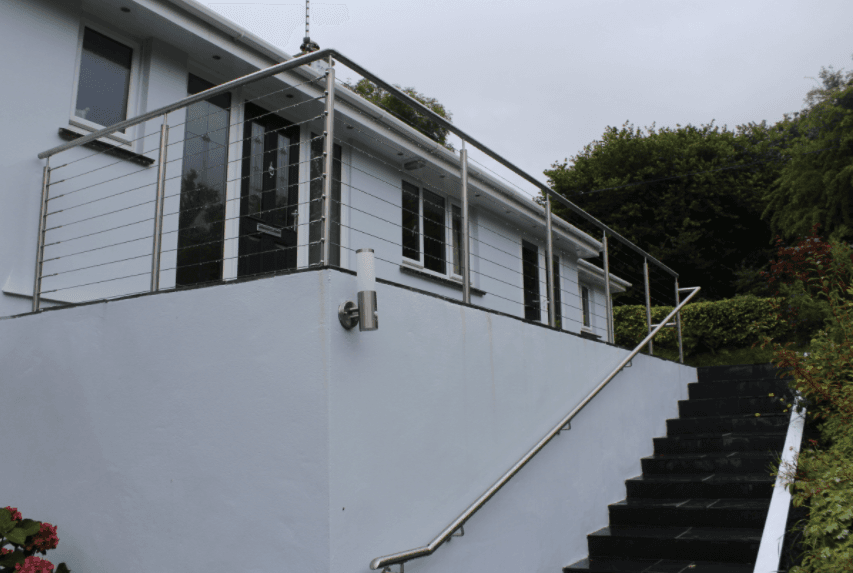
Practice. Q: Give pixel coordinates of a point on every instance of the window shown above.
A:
(585, 306)
(104, 82)
(428, 211)
(315, 210)
(530, 281)
(558, 300)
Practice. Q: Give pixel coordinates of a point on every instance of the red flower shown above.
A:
(16, 515)
(45, 539)
(4, 551)
(34, 564)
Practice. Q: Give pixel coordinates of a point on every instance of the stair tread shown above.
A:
(704, 477)
(681, 532)
(691, 503)
(719, 436)
(614, 565)
(710, 455)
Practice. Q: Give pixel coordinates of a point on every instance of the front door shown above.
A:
(269, 195)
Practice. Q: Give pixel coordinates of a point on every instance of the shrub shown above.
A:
(26, 538)
(738, 322)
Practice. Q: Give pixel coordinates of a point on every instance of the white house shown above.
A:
(239, 426)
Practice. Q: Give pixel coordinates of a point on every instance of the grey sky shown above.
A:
(539, 79)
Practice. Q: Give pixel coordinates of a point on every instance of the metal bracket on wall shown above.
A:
(458, 533)
(567, 427)
(388, 569)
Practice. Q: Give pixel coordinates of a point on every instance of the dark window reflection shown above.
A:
(201, 222)
(585, 305)
(434, 232)
(457, 240)
(104, 82)
(411, 222)
(530, 271)
(558, 299)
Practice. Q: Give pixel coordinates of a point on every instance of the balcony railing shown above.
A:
(287, 168)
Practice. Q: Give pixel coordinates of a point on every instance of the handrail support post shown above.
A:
(466, 243)
(329, 156)
(678, 323)
(156, 249)
(648, 302)
(549, 264)
(608, 303)
(45, 187)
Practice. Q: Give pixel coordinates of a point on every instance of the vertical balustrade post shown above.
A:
(329, 157)
(162, 159)
(648, 302)
(45, 185)
(466, 244)
(678, 323)
(608, 304)
(549, 263)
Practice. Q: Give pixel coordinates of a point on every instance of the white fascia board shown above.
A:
(382, 122)
(590, 273)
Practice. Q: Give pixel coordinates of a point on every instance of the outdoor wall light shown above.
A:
(364, 314)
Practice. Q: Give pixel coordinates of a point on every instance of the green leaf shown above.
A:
(29, 526)
(6, 522)
(62, 568)
(12, 559)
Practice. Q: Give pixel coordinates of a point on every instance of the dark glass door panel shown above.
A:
(201, 221)
(530, 270)
(269, 204)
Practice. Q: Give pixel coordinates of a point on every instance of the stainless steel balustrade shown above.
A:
(331, 55)
(447, 532)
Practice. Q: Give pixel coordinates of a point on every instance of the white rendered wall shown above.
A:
(177, 430)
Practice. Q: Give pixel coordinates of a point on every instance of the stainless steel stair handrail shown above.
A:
(403, 556)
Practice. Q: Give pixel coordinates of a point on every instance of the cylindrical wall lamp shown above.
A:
(364, 313)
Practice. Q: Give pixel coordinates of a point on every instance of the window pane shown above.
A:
(585, 304)
(104, 82)
(530, 271)
(558, 299)
(434, 241)
(457, 240)
(315, 210)
(411, 222)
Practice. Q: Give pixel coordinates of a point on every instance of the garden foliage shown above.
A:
(822, 478)
(25, 538)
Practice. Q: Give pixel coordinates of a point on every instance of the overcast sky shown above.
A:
(537, 80)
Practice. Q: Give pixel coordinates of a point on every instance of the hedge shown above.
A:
(706, 326)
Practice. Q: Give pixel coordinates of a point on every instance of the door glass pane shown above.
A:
(201, 222)
(104, 81)
(585, 305)
(434, 232)
(315, 228)
(256, 170)
(558, 299)
(411, 222)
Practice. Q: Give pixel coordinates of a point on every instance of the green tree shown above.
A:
(692, 196)
(403, 111)
(815, 185)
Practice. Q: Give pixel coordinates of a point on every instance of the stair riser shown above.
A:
(724, 425)
(609, 565)
(686, 445)
(701, 490)
(757, 388)
(729, 406)
(733, 464)
(645, 548)
(690, 517)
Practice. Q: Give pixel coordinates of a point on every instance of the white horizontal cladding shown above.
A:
(589, 273)
(246, 412)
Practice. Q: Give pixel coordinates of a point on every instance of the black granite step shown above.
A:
(710, 485)
(613, 565)
(742, 423)
(716, 442)
(699, 512)
(728, 388)
(742, 372)
(702, 501)
(727, 544)
(733, 405)
(712, 462)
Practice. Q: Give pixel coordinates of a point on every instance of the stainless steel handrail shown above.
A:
(403, 556)
(330, 52)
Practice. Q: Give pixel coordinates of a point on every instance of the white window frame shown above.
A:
(133, 89)
(448, 234)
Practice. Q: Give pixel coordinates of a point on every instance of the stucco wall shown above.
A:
(239, 427)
